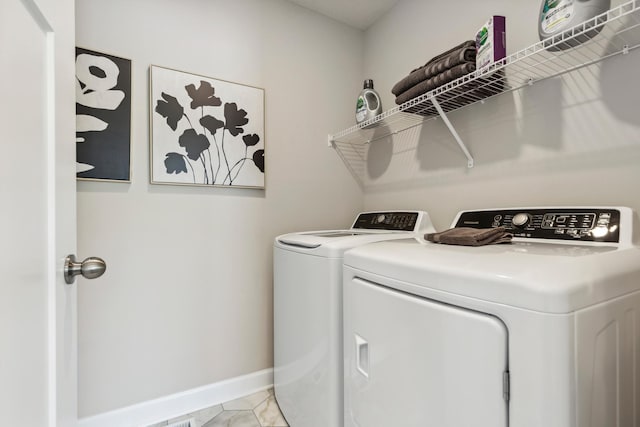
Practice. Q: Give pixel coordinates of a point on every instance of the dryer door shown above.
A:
(412, 362)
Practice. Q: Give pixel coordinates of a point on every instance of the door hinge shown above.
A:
(506, 386)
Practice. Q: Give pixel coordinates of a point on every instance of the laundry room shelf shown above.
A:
(614, 32)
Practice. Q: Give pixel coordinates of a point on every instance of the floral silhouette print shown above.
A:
(175, 163)
(211, 123)
(235, 119)
(194, 143)
(258, 159)
(203, 95)
(171, 110)
(212, 145)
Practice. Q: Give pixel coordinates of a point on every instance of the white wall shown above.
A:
(571, 140)
(187, 297)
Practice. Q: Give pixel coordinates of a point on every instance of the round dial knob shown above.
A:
(520, 220)
(381, 218)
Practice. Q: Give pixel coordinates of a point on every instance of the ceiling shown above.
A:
(355, 13)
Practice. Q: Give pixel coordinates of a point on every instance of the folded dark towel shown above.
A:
(466, 236)
(416, 76)
(468, 43)
(465, 52)
(457, 57)
(476, 90)
(436, 81)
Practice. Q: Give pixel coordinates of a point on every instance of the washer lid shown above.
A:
(339, 233)
(544, 277)
(334, 242)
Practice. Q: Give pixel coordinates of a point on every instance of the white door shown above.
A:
(414, 362)
(38, 213)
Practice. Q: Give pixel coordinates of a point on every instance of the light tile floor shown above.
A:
(256, 410)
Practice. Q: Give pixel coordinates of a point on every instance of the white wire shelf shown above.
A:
(614, 32)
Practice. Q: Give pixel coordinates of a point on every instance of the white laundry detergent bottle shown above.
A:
(556, 16)
(368, 105)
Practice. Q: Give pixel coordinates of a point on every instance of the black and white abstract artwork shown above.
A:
(205, 132)
(103, 116)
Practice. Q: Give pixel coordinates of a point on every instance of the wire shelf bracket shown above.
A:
(446, 121)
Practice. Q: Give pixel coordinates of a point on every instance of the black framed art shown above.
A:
(103, 116)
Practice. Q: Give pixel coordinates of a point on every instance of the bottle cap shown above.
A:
(368, 84)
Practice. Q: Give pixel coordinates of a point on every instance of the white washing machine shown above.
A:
(542, 332)
(308, 363)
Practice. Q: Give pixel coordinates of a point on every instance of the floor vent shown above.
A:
(185, 423)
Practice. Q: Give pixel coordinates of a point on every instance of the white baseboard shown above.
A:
(164, 408)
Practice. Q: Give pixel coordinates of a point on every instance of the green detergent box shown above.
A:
(491, 41)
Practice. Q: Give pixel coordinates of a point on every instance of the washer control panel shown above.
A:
(396, 221)
(583, 224)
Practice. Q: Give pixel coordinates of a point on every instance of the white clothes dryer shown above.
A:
(308, 357)
(544, 331)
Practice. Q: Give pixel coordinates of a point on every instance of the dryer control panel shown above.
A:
(582, 224)
(393, 220)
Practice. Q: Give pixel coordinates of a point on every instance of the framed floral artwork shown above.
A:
(103, 116)
(204, 131)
